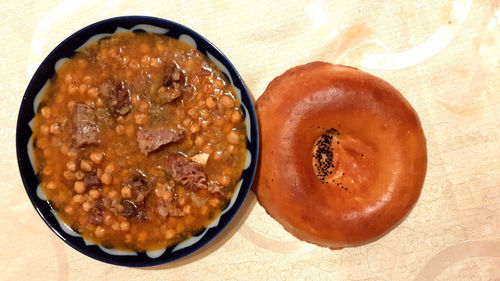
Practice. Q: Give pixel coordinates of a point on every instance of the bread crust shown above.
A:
(378, 154)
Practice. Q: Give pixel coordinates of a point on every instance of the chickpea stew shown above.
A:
(139, 141)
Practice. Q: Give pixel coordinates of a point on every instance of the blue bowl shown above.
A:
(32, 98)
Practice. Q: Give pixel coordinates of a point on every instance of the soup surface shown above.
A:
(139, 141)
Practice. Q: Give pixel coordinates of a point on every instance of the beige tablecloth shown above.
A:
(444, 56)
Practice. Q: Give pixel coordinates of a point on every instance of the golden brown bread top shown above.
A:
(366, 141)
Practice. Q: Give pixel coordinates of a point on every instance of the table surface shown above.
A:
(444, 56)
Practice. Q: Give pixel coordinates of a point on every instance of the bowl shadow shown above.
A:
(212, 246)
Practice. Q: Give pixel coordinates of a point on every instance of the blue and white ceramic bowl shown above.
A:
(29, 106)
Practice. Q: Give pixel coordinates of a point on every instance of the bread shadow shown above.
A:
(212, 246)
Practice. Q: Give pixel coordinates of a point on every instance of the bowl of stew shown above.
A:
(137, 141)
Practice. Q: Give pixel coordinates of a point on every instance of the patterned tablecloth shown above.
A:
(444, 56)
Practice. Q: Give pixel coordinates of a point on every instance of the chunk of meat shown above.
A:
(169, 208)
(185, 171)
(120, 99)
(96, 214)
(172, 74)
(141, 187)
(91, 180)
(118, 96)
(129, 209)
(151, 140)
(82, 112)
(142, 213)
(85, 133)
(167, 94)
(190, 174)
(174, 85)
(85, 130)
(216, 188)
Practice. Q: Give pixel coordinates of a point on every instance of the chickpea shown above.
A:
(182, 201)
(68, 78)
(204, 210)
(194, 129)
(107, 220)
(145, 60)
(72, 165)
(180, 227)
(59, 99)
(45, 130)
(96, 157)
(45, 111)
(107, 179)
(169, 234)
(128, 238)
(42, 143)
(236, 117)
(79, 175)
(99, 232)
(126, 192)
(87, 79)
(94, 193)
(130, 131)
(227, 101)
(198, 141)
(69, 175)
(99, 173)
(192, 112)
(72, 88)
(186, 209)
(143, 106)
(64, 149)
(167, 195)
(86, 206)
(55, 129)
(51, 185)
(124, 226)
(47, 171)
(205, 123)
(160, 47)
(204, 113)
(110, 168)
(214, 202)
(207, 148)
(119, 129)
(233, 138)
(140, 119)
(225, 180)
(210, 102)
(112, 194)
(86, 165)
(155, 62)
(82, 63)
(231, 148)
(82, 88)
(217, 155)
(144, 48)
(186, 122)
(93, 92)
(142, 236)
(79, 186)
(71, 105)
(69, 209)
(115, 226)
(78, 198)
